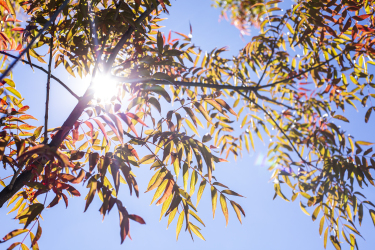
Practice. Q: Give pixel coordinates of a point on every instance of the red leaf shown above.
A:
(101, 128)
(91, 127)
(137, 218)
(79, 178)
(65, 200)
(18, 29)
(93, 160)
(347, 25)
(112, 126)
(135, 117)
(361, 17)
(24, 108)
(127, 120)
(73, 191)
(118, 125)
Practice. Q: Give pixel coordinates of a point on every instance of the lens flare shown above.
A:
(104, 87)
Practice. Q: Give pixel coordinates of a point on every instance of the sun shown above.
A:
(104, 87)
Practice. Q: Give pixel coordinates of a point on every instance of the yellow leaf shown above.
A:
(224, 208)
(191, 126)
(214, 200)
(180, 221)
(303, 208)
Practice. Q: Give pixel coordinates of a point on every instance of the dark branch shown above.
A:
(179, 83)
(277, 125)
(47, 89)
(45, 27)
(272, 101)
(26, 175)
(125, 38)
(298, 75)
(45, 71)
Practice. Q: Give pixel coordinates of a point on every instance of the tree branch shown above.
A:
(45, 71)
(300, 74)
(48, 87)
(179, 83)
(45, 27)
(277, 125)
(272, 101)
(26, 175)
(126, 37)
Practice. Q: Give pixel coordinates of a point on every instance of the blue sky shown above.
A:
(269, 224)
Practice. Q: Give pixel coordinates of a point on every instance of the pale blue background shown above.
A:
(269, 224)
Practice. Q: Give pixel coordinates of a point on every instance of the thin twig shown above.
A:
(45, 71)
(179, 83)
(48, 88)
(302, 73)
(272, 53)
(126, 37)
(277, 125)
(45, 27)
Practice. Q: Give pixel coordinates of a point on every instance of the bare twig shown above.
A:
(45, 71)
(277, 125)
(125, 38)
(179, 83)
(48, 88)
(300, 74)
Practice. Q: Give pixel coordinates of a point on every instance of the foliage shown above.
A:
(98, 144)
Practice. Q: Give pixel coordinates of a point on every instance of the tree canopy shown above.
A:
(292, 82)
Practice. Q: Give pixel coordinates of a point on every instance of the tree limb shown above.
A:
(48, 88)
(300, 74)
(26, 175)
(126, 37)
(179, 83)
(277, 125)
